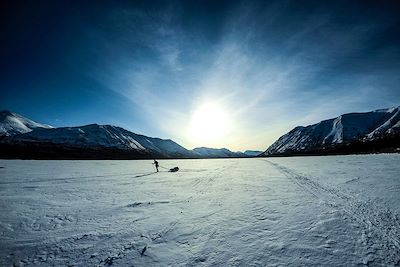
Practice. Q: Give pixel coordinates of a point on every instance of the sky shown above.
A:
(234, 74)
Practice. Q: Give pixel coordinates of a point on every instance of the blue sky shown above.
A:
(149, 65)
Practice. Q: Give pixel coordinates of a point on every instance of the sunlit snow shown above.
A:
(313, 211)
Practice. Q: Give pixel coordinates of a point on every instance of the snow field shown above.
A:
(313, 211)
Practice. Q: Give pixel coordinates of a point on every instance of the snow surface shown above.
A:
(299, 211)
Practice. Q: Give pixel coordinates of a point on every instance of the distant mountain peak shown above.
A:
(252, 153)
(12, 123)
(207, 152)
(344, 130)
(5, 113)
(392, 109)
(24, 138)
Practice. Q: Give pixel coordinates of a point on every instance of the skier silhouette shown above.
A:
(156, 164)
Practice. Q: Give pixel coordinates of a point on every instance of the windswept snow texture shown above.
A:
(343, 129)
(12, 123)
(299, 211)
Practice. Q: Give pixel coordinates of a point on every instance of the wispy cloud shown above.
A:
(274, 66)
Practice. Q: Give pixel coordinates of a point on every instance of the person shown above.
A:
(156, 164)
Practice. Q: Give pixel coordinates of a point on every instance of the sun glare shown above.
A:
(210, 122)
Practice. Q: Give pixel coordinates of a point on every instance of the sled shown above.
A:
(175, 169)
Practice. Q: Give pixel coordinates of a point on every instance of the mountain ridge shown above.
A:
(252, 153)
(217, 152)
(12, 123)
(91, 141)
(101, 138)
(342, 134)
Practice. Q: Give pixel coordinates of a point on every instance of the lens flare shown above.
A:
(210, 123)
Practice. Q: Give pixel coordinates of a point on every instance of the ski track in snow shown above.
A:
(231, 212)
(381, 226)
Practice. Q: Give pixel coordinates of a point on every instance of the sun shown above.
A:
(209, 123)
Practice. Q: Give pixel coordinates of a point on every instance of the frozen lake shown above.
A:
(314, 211)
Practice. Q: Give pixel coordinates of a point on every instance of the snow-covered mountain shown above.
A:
(101, 139)
(206, 152)
(24, 138)
(346, 132)
(12, 123)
